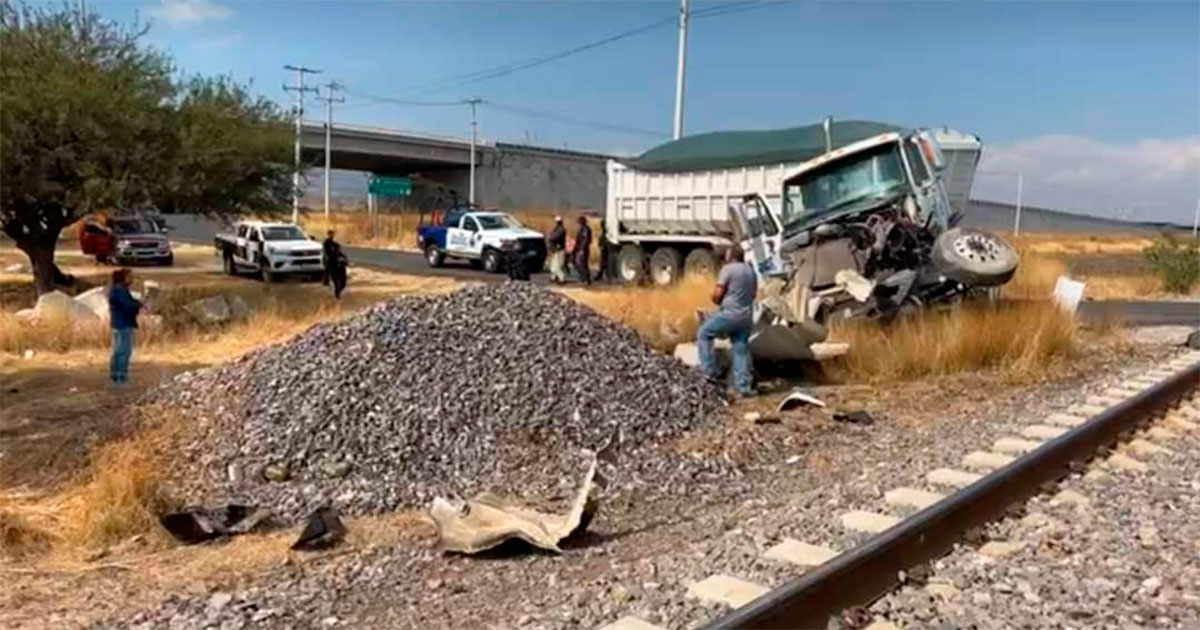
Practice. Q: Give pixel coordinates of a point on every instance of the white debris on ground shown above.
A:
(1113, 549)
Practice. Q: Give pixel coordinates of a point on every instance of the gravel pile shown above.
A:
(492, 387)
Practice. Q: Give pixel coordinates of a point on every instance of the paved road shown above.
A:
(1134, 313)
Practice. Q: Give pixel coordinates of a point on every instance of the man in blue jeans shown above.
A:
(123, 311)
(737, 285)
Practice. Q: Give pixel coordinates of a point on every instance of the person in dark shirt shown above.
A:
(123, 312)
(556, 243)
(604, 254)
(583, 246)
(335, 264)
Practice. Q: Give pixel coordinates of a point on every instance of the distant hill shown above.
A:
(995, 216)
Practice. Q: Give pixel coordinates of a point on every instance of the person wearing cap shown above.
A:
(583, 246)
(557, 244)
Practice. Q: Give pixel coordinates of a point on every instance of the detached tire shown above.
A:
(631, 264)
(700, 262)
(974, 258)
(434, 256)
(666, 264)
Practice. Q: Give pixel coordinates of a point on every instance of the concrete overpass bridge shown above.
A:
(513, 176)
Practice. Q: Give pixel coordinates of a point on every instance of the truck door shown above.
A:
(254, 245)
(757, 233)
(934, 207)
(465, 240)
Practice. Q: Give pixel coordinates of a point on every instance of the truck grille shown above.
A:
(531, 245)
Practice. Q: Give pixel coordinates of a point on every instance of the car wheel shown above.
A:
(267, 276)
(974, 258)
(631, 264)
(434, 256)
(700, 262)
(491, 261)
(665, 265)
(169, 260)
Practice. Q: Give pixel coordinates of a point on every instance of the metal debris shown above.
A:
(324, 529)
(487, 521)
(198, 524)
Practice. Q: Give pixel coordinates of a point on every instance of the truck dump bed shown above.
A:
(684, 204)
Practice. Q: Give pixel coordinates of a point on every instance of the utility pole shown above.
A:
(299, 89)
(474, 103)
(1196, 219)
(329, 99)
(681, 70)
(1017, 216)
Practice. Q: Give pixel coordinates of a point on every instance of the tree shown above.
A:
(91, 120)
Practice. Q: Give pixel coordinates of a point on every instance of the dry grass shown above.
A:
(1022, 340)
(663, 316)
(1112, 267)
(19, 538)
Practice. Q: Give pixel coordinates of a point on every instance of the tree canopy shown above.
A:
(91, 119)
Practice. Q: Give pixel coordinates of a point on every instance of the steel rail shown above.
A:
(861, 575)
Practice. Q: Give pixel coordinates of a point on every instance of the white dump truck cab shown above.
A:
(891, 168)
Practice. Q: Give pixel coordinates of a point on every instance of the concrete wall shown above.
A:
(998, 217)
(527, 179)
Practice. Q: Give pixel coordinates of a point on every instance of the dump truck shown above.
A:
(840, 220)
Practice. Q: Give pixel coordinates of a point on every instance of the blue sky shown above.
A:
(1099, 103)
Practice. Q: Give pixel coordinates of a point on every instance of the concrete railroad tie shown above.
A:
(727, 590)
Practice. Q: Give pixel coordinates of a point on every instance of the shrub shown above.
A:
(1176, 261)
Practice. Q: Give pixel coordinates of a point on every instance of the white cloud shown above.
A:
(1150, 179)
(180, 13)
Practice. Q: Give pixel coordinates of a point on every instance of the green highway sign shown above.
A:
(390, 186)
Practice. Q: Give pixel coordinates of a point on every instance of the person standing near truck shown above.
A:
(604, 253)
(583, 246)
(335, 264)
(737, 285)
(123, 311)
(556, 243)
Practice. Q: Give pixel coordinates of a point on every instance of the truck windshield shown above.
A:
(134, 226)
(283, 233)
(497, 221)
(869, 176)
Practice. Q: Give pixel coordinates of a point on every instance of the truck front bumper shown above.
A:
(297, 265)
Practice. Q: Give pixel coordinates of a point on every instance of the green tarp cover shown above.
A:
(733, 149)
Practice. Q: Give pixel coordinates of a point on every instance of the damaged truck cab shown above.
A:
(845, 220)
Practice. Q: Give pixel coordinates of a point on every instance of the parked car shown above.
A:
(125, 240)
(269, 250)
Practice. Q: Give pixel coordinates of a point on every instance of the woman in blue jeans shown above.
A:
(737, 286)
(123, 310)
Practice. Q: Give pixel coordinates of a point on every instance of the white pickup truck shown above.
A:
(270, 250)
(480, 238)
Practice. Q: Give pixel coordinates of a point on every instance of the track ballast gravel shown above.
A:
(494, 387)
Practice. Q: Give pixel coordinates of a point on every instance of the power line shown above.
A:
(511, 67)
(524, 111)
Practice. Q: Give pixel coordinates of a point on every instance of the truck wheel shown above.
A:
(631, 264)
(974, 258)
(267, 276)
(230, 268)
(665, 265)
(475, 263)
(491, 261)
(434, 256)
(700, 262)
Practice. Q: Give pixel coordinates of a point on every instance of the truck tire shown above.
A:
(974, 258)
(491, 261)
(229, 266)
(666, 265)
(434, 255)
(700, 262)
(631, 264)
(267, 276)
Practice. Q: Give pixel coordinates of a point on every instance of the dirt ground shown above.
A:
(57, 408)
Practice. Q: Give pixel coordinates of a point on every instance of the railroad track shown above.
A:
(988, 484)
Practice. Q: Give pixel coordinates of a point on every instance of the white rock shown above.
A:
(210, 310)
(96, 301)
